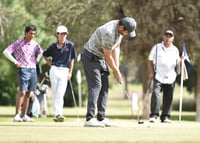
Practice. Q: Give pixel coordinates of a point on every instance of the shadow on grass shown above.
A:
(123, 117)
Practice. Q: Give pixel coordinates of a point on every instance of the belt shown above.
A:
(90, 53)
(29, 67)
(53, 66)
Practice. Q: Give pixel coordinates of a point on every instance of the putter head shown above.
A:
(140, 122)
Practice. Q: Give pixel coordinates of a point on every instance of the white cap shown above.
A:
(169, 32)
(62, 29)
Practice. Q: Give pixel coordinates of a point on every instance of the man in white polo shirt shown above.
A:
(163, 59)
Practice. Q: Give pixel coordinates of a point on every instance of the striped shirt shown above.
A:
(25, 52)
(106, 36)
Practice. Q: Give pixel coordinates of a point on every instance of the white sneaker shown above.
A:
(153, 119)
(107, 123)
(27, 119)
(93, 123)
(17, 118)
(166, 120)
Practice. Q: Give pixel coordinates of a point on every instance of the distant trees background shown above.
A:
(82, 17)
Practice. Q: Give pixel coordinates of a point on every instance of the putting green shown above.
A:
(73, 131)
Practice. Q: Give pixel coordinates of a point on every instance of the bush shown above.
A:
(8, 92)
(187, 105)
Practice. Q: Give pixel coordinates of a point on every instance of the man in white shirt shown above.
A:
(163, 59)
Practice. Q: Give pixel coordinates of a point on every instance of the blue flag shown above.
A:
(187, 65)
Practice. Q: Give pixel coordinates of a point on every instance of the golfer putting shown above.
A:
(103, 50)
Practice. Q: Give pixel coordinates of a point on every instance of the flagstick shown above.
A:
(181, 90)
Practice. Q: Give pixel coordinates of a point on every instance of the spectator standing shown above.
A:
(23, 53)
(62, 55)
(162, 61)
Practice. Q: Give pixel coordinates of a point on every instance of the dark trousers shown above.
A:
(96, 72)
(164, 92)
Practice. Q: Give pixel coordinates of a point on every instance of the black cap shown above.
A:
(130, 25)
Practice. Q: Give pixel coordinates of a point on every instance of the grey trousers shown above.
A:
(164, 92)
(96, 72)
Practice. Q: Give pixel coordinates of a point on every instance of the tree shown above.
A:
(83, 17)
(13, 19)
(154, 17)
(78, 16)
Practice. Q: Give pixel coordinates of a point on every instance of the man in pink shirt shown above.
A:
(23, 53)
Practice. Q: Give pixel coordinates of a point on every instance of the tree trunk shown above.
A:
(198, 93)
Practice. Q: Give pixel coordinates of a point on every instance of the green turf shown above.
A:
(44, 130)
(72, 131)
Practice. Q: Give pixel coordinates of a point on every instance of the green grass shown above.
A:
(44, 130)
(74, 132)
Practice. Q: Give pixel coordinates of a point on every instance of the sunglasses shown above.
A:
(62, 33)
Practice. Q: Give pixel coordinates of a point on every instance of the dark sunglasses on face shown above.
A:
(62, 33)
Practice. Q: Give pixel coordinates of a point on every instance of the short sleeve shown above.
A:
(107, 41)
(152, 55)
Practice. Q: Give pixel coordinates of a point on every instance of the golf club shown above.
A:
(74, 100)
(138, 116)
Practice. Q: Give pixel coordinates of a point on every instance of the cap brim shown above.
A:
(132, 34)
(61, 32)
(167, 33)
